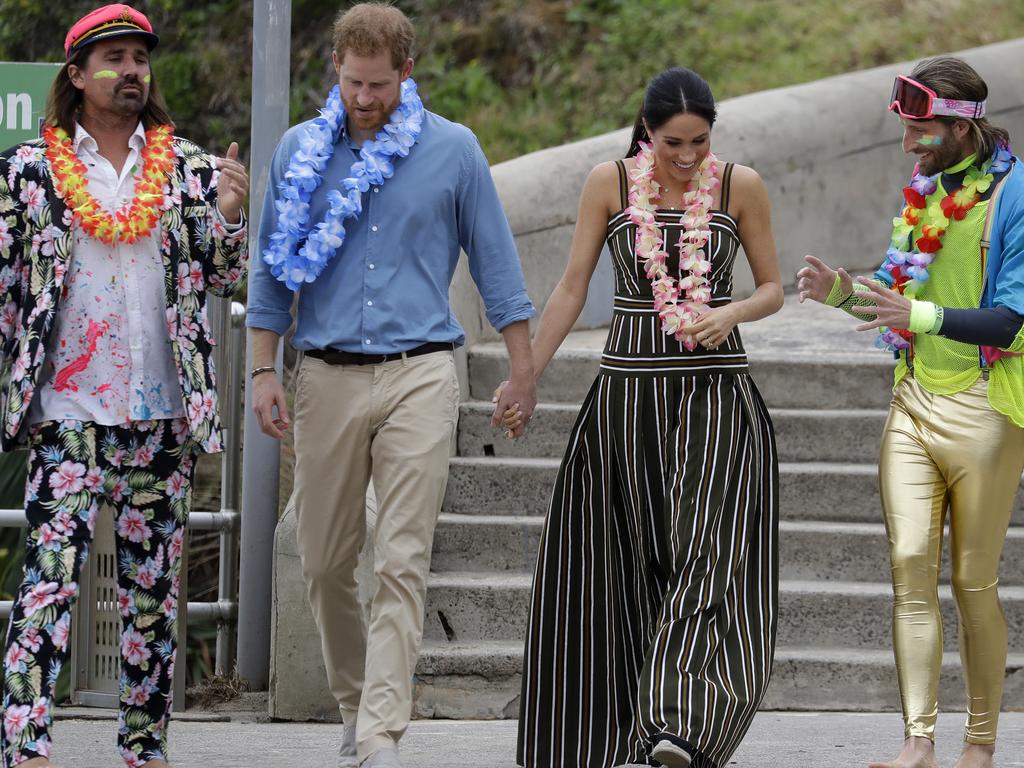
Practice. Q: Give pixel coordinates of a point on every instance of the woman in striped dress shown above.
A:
(652, 623)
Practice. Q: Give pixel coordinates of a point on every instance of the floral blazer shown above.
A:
(36, 241)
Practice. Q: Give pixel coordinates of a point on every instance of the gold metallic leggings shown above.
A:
(955, 451)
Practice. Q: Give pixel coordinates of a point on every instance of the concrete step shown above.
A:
(808, 550)
(811, 550)
(802, 435)
(468, 681)
(847, 679)
(826, 380)
(486, 543)
(482, 681)
(466, 607)
(826, 491)
(858, 614)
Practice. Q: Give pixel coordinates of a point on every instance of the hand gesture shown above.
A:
(815, 281)
(714, 326)
(232, 185)
(891, 309)
(267, 394)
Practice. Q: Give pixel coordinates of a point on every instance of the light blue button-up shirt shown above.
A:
(386, 289)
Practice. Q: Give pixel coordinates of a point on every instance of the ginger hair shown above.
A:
(367, 29)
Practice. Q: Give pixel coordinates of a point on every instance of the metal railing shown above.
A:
(229, 326)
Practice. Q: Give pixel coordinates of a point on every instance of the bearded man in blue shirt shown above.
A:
(366, 211)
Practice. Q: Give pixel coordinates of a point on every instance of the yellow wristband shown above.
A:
(922, 316)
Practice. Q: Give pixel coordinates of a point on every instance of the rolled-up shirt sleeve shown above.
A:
(486, 237)
(270, 300)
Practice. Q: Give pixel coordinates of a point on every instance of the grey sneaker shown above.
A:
(383, 758)
(670, 755)
(347, 753)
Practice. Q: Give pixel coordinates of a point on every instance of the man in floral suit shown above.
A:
(112, 230)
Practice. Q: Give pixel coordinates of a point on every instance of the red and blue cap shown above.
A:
(104, 23)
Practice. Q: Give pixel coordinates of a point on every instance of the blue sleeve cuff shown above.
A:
(268, 320)
(517, 308)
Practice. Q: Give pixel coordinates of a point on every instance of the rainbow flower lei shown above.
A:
(132, 221)
(905, 268)
(295, 262)
(644, 192)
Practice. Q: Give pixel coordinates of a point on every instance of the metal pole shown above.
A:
(227, 581)
(271, 67)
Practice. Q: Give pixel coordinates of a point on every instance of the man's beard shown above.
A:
(941, 156)
(129, 103)
(381, 114)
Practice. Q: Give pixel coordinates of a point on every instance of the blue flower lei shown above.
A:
(295, 262)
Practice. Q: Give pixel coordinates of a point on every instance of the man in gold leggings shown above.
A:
(949, 301)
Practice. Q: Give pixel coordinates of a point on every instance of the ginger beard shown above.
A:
(373, 116)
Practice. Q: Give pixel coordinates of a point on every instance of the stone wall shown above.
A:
(829, 153)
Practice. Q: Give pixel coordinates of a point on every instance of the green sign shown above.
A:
(23, 90)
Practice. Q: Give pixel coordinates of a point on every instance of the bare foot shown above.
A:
(155, 764)
(976, 756)
(36, 762)
(917, 752)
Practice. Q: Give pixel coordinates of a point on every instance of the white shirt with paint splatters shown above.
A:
(109, 358)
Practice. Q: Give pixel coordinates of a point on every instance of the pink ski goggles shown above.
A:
(914, 101)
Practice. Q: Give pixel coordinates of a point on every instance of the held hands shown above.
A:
(513, 407)
(267, 394)
(891, 309)
(714, 326)
(232, 185)
(815, 281)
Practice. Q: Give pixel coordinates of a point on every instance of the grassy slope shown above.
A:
(533, 73)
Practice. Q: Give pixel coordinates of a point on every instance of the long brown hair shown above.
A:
(64, 101)
(953, 78)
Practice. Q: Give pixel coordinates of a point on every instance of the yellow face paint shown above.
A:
(105, 74)
(146, 79)
(929, 140)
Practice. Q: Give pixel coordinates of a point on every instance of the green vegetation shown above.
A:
(527, 74)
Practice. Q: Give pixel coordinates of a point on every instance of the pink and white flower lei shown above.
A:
(644, 193)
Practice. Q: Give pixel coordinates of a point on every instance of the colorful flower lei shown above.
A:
(644, 192)
(295, 262)
(135, 219)
(905, 268)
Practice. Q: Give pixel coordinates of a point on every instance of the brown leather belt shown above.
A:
(337, 357)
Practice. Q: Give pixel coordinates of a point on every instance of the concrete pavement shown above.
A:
(776, 739)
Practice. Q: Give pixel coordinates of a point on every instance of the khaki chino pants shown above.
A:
(392, 423)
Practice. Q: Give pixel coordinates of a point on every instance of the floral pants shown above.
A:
(144, 471)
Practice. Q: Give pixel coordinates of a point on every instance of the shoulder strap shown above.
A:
(990, 218)
(726, 181)
(620, 165)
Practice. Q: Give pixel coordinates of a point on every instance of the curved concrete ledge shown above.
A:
(828, 151)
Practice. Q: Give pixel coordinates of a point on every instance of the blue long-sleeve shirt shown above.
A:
(386, 289)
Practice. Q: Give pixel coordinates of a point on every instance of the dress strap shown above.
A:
(623, 184)
(726, 181)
